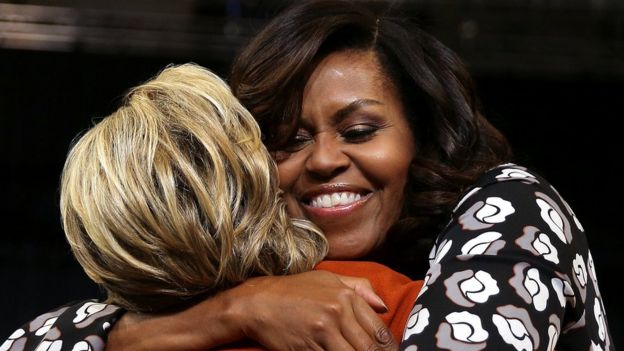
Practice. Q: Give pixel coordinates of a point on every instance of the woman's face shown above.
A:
(348, 167)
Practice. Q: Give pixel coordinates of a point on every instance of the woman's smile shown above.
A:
(347, 167)
(333, 200)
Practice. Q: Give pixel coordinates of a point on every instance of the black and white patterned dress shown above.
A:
(77, 326)
(511, 271)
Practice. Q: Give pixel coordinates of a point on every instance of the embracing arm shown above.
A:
(313, 310)
(208, 324)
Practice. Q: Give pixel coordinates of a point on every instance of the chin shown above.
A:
(341, 250)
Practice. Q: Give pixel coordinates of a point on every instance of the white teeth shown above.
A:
(344, 197)
(335, 199)
(326, 201)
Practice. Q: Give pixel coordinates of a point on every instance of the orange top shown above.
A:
(396, 290)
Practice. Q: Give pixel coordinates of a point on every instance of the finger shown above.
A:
(354, 333)
(364, 289)
(336, 342)
(374, 326)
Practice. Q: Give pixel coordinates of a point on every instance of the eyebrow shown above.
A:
(344, 112)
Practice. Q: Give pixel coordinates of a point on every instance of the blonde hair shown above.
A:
(174, 196)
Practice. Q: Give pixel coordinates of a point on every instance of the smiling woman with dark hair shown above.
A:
(380, 142)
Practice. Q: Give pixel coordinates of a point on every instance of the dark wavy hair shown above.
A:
(455, 143)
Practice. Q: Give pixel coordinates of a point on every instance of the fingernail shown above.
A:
(386, 309)
(384, 336)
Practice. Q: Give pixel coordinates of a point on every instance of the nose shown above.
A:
(327, 158)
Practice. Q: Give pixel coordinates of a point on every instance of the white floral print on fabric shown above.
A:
(484, 244)
(441, 251)
(462, 331)
(495, 210)
(528, 285)
(43, 321)
(82, 346)
(516, 174)
(579, 275)
(554, 218)
(554, 329)
(538, 243)
(468, 288)
(563, 291)
(569, 209)
(579, 270)
(48, 345)
(484, 214)
(435, 255)
(515, 327)
(91, 343)
(15, 341)
(74, 327)
(600, 319)
(417, 321)
(47, 325)
(516, 227)
(87, 310)
(591, 269)
(430, 277)
(90, 312)
(595, 347)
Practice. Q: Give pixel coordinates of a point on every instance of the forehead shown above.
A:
(344, 77)
(348, 68)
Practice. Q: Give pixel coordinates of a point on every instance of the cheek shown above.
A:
(287, 173)
(390, 165)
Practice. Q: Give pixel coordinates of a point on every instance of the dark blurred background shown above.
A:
(550, 74)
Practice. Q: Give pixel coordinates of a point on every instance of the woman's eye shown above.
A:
(359, 134)
(297, 143)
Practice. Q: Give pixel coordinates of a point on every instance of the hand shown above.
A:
(364, 289)
(316, 310)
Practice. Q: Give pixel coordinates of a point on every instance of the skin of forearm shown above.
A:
(208, 324)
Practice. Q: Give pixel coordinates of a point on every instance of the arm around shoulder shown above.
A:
(213, 322)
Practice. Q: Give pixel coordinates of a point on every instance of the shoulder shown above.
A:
(515, 230)
(508, 179)
(80, 325)
(514, 212)
(510, 189)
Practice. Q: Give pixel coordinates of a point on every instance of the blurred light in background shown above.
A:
(553, 37)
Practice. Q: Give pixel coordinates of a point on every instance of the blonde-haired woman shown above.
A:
(178, 170)
(174, 197)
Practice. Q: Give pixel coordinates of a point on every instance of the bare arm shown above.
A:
(208, 324)
(313, 310)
